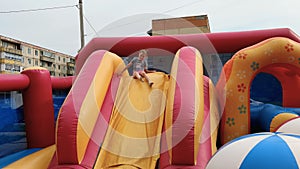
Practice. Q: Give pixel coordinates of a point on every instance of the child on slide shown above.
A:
(140, 67)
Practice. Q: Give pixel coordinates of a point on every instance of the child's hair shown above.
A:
(144, 51)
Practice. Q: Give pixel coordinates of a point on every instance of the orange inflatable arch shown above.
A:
(277, 56)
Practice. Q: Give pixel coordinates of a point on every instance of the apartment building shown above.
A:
(177, 26)
(17, 55)
(181, 25)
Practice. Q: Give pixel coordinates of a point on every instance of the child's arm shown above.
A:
(127, 66)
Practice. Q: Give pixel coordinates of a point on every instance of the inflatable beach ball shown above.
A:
(259, 151)
(291, 126)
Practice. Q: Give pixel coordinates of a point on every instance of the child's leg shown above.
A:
(143, 74)
(138, 76)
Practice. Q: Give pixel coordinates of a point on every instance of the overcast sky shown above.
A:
(58, 29)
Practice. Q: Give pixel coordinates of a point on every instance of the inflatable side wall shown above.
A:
(191, 120)
(84, 116)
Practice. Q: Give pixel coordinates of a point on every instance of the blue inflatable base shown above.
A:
(14, 157)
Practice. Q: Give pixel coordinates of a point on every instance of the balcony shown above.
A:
(11, 50)
(51, 69)
(70, 64)
(47, 59)
(8, 61)
(70, 72)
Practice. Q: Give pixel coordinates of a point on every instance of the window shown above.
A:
(4, 44)
(36, 52)
(29, 61)
(11, 56)
(48, 54)
(8, 67)
(17, 68)
(64, 60)
(36, 63)
(29, 51)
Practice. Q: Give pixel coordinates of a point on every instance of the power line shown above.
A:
(89, 23)
(182, 6)
(38, 9)
(167, 11)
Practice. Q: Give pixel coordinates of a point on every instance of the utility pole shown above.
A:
(81, 24)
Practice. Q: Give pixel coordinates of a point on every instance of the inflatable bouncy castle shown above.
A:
(108, 121)
(182, 121)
